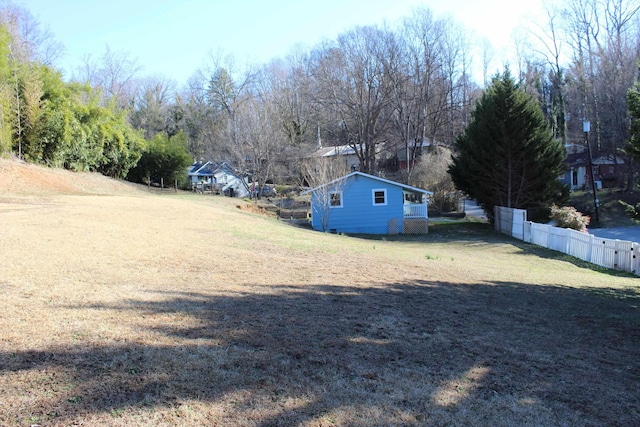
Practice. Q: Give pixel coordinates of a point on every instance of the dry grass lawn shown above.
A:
(121, 308)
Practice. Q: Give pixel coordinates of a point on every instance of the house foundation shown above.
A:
(415, 226)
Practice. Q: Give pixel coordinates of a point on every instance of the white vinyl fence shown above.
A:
(616, 254)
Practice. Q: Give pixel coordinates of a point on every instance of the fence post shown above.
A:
(519, 218)
(526, 235)
(567, 240)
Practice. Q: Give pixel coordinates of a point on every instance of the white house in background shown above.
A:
(231, 182)
(220, 178)
(345, 152)
(410, 152)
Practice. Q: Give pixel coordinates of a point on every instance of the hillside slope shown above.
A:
(25, 179)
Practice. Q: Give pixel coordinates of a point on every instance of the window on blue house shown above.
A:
(335, 200)
(380, 197)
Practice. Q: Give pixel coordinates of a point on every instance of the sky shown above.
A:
(174, 38)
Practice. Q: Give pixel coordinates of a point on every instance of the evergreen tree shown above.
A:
(633, 105)
(6, 92)
(164, 158)
(507, 156)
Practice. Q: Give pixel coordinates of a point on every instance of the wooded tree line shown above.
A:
(587, 61)
(46, 120)
(379, 89)
(78, 125)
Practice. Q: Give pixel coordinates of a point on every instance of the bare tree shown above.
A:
(247, 126)
(455, 65)
(543, 72)
(115, 74)
(198, 122)
(421, 99)
(352, 85)
(432, 174)
(326, 177)
(487, 55)
(30, 41)
(583, 29)
(286, 85)
(153, 103)
(433, 92)
(603, 37)
(258, 141)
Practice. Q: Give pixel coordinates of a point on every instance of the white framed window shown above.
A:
(379, 197)
(335, 199)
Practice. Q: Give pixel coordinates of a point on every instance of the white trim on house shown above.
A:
(197, 172)
(331, 205)
(374, 196)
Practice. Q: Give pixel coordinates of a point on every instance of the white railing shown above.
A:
(620, 255)
(415, 210)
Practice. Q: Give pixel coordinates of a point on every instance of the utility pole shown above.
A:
(586, 127)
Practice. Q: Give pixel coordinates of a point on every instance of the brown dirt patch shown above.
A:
(23, 179)
(140, 309)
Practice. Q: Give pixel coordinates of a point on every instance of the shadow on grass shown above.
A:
(542, 252)
(454, 231)
(418, 353)
(479, 233)
(483, 232)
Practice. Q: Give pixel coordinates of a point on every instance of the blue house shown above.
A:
(365, 204)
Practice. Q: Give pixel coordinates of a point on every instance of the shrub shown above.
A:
(632, 211)
(569, 217)
(431, 173)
